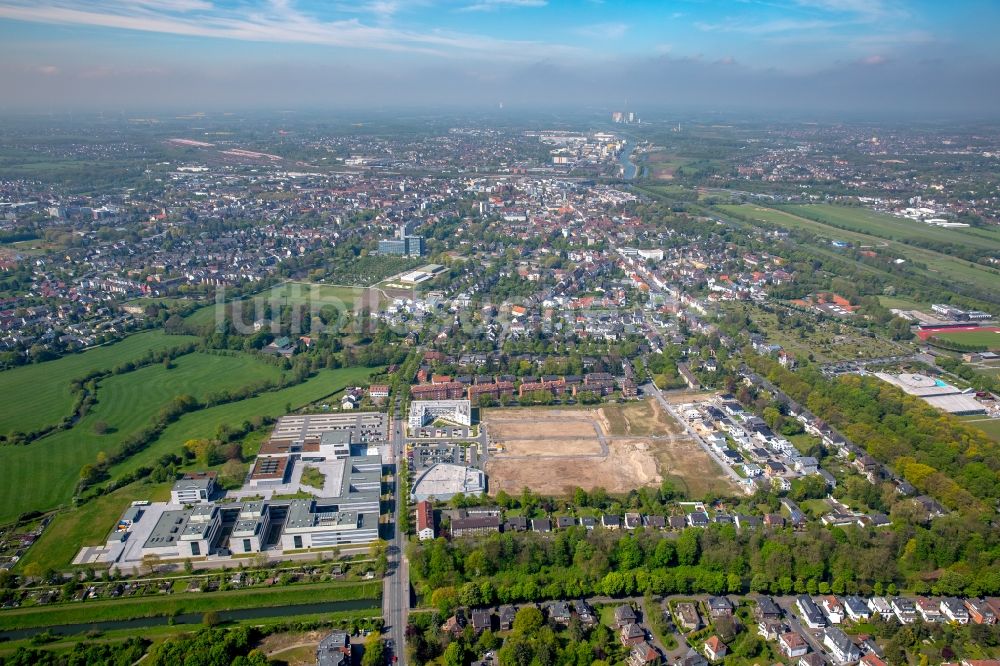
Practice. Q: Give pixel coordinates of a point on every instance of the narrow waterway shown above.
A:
(625, 160)
(196, 618)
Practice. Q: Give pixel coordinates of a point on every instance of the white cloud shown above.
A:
(275, 21)
(494, 5)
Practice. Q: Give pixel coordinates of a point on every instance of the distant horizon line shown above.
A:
(657, 114)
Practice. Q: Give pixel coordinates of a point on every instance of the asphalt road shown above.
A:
(396, 585)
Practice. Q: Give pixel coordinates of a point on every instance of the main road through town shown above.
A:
(396, 592)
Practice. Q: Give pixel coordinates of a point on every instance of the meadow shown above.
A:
(896, 228)
(290, 293)
(203, 423)
(43, 474)
(39, 395)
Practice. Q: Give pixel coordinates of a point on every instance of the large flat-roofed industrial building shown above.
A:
(936, 393)
(423, 412)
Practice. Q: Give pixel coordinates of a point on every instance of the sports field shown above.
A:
(988, 337)
(43, 474)
(36, 396)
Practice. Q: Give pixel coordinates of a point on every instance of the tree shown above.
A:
(150, 562)
(374, 654)
(210, 619)
(100, 427)
(528, 620)
(454, 655)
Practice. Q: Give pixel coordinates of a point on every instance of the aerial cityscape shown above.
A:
(500, 333)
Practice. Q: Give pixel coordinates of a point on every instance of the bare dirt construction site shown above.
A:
(616, 447)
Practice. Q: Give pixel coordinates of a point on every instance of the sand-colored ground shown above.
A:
(543, 424)
(552, 447)
(643, 418)
(554, 451)
(628, 465)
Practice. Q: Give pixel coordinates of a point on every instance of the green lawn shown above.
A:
(87, 525)
(123, 609)
(203, 423)
(313, 477)
(39, 395)
(988, 339)
(42, 475)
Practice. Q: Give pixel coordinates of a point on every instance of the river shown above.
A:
(196, 618)
(624, 160)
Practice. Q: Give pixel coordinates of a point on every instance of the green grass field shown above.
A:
(988, 339)
(292, 293)
(87, 525)
(939, 266)
(42, 475)
(39, 395)
(203, 423)
(896, 228)
(123, 609)
(902, 303)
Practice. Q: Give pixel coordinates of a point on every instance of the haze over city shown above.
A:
(831, 56)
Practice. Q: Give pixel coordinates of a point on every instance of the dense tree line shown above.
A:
(953, 555)
(82, 654)
(956, 463)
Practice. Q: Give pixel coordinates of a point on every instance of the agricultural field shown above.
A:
(43, 474)
(939, 266)
(36, 396)
(615, 447)
(663, 166)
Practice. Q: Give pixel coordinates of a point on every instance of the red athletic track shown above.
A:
(925, 333)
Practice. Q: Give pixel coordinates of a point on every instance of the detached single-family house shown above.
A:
(841, 647)
(792, 644)
(715, 649)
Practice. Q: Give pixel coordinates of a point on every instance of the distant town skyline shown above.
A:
(861, 56)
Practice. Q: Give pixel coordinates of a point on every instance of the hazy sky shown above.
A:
(867, 56)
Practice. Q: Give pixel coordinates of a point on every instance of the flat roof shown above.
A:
(956, 404)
